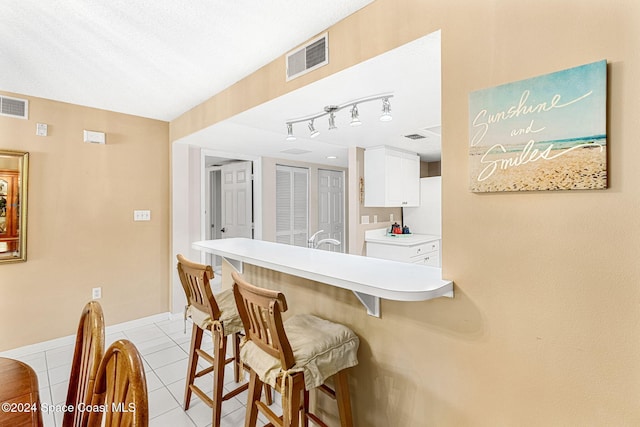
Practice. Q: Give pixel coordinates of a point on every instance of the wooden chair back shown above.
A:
(87, 355)
(120, 393)
(195, 282)
(261, 313)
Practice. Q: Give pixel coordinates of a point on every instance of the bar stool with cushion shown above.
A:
(293, 356)
(218, 315)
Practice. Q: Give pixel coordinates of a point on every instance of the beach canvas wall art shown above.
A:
(543, 133)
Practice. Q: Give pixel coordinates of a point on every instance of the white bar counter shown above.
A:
(369, 278)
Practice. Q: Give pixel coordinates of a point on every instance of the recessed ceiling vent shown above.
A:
(14, 107)
(415, 136)
(295, 151)
(313, 55)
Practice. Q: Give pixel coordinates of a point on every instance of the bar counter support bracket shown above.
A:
(371, 303)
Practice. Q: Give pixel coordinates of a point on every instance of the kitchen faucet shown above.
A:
(313, 244)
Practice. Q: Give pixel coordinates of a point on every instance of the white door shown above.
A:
(331, 208)
(213, 212)
(237, 200)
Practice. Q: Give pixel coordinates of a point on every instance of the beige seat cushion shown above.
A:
(320, 349)
(228, 314)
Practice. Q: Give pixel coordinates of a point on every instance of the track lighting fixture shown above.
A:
(331, 111)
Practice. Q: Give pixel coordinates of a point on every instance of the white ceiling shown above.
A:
(160, 58)
(150, 58)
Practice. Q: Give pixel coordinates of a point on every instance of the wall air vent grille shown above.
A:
(313, 55)
(14, 107)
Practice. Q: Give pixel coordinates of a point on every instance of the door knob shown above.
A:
(223, 229)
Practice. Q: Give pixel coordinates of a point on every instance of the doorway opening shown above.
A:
(228, 202)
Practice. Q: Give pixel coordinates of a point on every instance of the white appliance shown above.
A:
(427, 218)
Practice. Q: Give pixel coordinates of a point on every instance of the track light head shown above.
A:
(290, 136)
(355, 116)
(386, 111)
(313, 130)
(332, 121)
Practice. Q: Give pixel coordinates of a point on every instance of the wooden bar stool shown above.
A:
(87, 356)
(219, 316)
(120, 389)
(293, 356)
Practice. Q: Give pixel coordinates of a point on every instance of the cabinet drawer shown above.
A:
(424, 248)
(431, 259)
(403, 253)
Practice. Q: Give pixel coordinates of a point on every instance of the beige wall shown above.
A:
(430, 169)
(81, 232)
(544, 326)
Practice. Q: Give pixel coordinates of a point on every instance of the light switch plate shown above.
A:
(41, 129)
(364, 219)
(142, 215)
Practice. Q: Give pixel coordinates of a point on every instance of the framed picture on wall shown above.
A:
(542, 133)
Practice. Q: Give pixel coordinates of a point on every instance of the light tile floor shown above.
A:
(164, 347)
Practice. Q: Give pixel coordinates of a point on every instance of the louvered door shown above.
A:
(292, 205)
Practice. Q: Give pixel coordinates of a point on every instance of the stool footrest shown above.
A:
(315, 419)
(328, 391)
(205, 371)
(206, 399)
(267, 412)
(236, 391)
(206, 356)
(201, 394)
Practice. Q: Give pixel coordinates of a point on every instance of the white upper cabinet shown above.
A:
(391, 177)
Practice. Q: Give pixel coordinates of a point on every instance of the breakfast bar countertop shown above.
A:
(369, 277)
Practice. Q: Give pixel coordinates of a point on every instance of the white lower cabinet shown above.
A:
(427, 253)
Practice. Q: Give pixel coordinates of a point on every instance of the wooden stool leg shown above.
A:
(219, 354)
(268, 394)
(292, 417)
(237, 363)
(196, 341)
(255, 390)
(343, 399)
(305, 408)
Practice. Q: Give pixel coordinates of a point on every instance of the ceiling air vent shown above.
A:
(313, 55)
(295, 151)
(415, 136)
(14, 107)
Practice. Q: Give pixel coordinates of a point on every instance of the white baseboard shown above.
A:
(71, 339)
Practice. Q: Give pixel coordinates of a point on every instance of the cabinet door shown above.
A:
(392, 178)
(411, 180)
(395, 177)
(403, 179)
